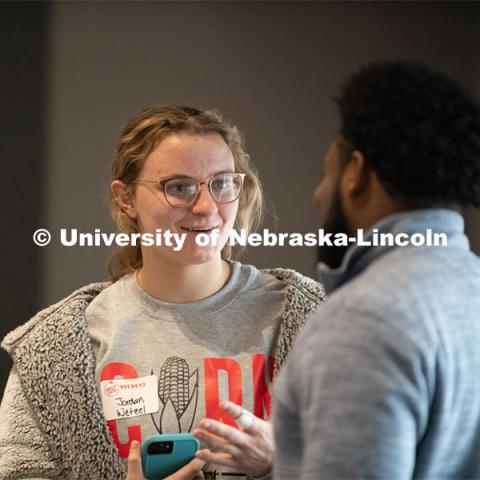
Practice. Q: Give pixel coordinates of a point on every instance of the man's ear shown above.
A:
(122, 194)
(356, 176)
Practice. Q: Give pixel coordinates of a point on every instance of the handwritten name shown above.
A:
(131, 401)
(130, 412)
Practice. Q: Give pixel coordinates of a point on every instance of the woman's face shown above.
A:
(184, 155)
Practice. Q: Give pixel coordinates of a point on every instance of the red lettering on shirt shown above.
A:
(261, 394)
(212, 368)
(212, 395)
(111, 371)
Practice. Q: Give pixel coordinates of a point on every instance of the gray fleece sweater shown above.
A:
(51, 420)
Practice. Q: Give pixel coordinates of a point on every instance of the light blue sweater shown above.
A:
(384, 381)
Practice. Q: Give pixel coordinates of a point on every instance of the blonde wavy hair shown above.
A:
(139, 138)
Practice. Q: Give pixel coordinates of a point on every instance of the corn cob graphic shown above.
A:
(173, 384)
(177, 386)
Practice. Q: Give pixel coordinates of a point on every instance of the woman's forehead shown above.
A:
(186, 154)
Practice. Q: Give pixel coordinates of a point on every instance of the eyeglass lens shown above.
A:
(224, 187)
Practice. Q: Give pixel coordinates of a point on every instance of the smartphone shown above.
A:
(163, 455)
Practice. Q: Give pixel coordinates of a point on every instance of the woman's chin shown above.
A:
(200, 255)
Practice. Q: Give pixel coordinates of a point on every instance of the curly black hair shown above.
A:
(418, 129)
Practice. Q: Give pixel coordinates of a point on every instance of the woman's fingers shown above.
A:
(217, 443)
(202, 434)
(135, 471)
(224, 459)
(245, 420)
(232, 409)
(225, 432)
(250, 449)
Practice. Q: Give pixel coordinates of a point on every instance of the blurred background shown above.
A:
(74, 72)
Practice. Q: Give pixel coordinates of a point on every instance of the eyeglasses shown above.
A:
(183, 191)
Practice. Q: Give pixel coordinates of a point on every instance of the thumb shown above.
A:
(189, 471)
(135, 471)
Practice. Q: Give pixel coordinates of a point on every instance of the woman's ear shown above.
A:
(122, 194)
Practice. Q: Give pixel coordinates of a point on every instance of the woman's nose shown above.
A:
(204, 204)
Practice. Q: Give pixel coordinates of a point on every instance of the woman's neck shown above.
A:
(183, 284)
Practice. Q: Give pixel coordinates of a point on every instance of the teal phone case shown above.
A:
(157, 466)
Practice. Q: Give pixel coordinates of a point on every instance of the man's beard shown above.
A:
(335, 222)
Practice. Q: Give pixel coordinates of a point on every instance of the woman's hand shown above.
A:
(135, 471)
(191, 471)
(250, 449)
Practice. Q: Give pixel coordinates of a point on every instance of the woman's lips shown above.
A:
(199, 229)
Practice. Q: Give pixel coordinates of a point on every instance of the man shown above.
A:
(384, 381)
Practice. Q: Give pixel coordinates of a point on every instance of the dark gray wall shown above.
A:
(22, 127)
(472, 217)
(271, 67)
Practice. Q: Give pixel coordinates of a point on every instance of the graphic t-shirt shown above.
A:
(162, 367)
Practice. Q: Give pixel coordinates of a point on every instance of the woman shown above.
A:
(175, 332)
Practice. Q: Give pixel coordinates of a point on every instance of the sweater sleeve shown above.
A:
(24, 453)
(351, 403)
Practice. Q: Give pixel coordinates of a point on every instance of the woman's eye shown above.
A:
(222, 184)
(181, 188)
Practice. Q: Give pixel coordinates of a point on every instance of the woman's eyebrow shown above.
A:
(176, 174)
(173, 175)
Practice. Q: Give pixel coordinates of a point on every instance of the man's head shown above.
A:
(409, 138)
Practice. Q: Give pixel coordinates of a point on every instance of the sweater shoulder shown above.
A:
(79, 299)
(303, 296)
(299, 285)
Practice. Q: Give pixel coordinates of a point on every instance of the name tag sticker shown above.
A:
(129, 398)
